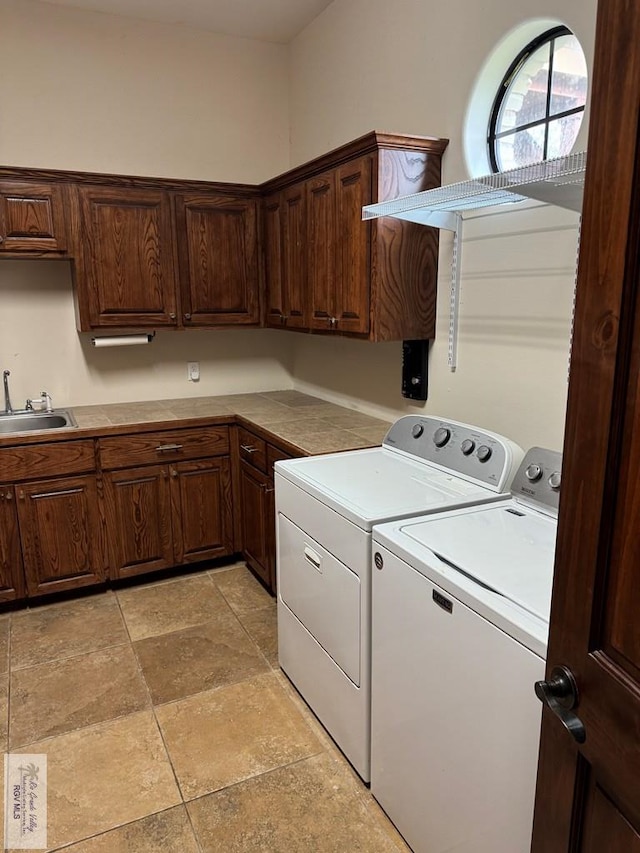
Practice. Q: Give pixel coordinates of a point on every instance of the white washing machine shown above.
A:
(461, 605)
(326, 508)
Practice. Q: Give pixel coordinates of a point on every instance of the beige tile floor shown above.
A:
(168, 726)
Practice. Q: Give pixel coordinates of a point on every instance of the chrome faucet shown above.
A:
(7, 399)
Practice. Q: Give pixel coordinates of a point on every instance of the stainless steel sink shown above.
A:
(28, 421)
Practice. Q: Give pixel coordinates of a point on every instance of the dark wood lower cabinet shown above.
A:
(11, 571)
(61, 534)
(165, 515)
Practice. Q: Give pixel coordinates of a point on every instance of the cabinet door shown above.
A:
(353, 270)
(32, 218)
(294, 268)
(11, 571)
(273, 256)
(218, 250)
(138, 510)
(202, 509)
(253, 486)
(321, 241)
(126, 274)
(61, 534)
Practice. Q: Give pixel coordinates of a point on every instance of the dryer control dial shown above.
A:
(484, 453)
(554, 480)
(468, 446)
(441, 436)
(533, 472)
(417, 430)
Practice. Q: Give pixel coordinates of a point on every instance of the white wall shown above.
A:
(409, 66)
(104, 93)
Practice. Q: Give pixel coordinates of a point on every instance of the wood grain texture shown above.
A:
(321, 249)
(126, 264)
(253, 485)
(162, 446)
(11, 571)
(32, 218)
(593, 623)
(273, 260)
(202, 505)
(218, 252)
(294, 270)
(61, 534)
(35, 461)
(353, 242)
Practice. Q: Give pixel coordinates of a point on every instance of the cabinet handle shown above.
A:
(1, 239)
(9, 496)
(268, 490)
(174, 473)
(163, 448)
(60, 494)
(283, 319)
(248, 449)
(187, 317)
(172, 316)
(164, 474)
(21, 495)
(333, 322)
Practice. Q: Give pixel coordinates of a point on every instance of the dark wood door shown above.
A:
(138, 512)
(202, 509)
(32, 218)
(218, 251)
(253, 486)
(353, 265)
(11, 571)
(273, 260)
(61, 534)
(126, 272)
(294, 266)
(321, 249)
(588, 794)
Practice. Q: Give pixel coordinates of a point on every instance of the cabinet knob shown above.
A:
(187, 317)
(172, 316)
(21, 495)
(174, 473)
(283, 319)
(333, 322)
(164, 474)
(9, 495)
(1, 239)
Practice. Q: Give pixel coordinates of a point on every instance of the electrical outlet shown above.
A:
(193, 371)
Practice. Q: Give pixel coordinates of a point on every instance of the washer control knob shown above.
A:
(441, 436)
(554, 480)
(484, 453)
(468, 446)
(533, 472)
(417, 430)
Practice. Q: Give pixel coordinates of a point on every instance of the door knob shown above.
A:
(560, 695)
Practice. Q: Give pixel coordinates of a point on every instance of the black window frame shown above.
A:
(548, 37)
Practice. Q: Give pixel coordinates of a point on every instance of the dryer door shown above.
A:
(323, 594)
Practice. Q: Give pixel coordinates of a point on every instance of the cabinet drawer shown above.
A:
(167, 446)
(252, 449)
(36, 461)
(274, 454)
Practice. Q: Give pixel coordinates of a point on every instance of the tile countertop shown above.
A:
(309, 424)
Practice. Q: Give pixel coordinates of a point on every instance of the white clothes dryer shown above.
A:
(461, 603)
(326, 508)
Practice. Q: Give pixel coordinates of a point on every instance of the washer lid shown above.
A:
(370, 486)
(505, 547)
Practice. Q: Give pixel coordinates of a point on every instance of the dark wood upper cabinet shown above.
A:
(32, 218)
(328, 270)
(125, 268)
(218, 254)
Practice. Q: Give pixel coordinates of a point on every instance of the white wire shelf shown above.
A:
(559, 182)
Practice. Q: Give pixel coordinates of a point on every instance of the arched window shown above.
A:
(540, 103)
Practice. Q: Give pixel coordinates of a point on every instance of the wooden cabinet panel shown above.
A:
(11, 571)
(138, 513)
(218, 250)
(163, 446)
(273, 259)
(32, 218)
(61, 534)
(31, 461)
(253, 449)
(202, 509)
(321, 241)
(125, 272)
(353, 263)
(293, 255)
(253, 485)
